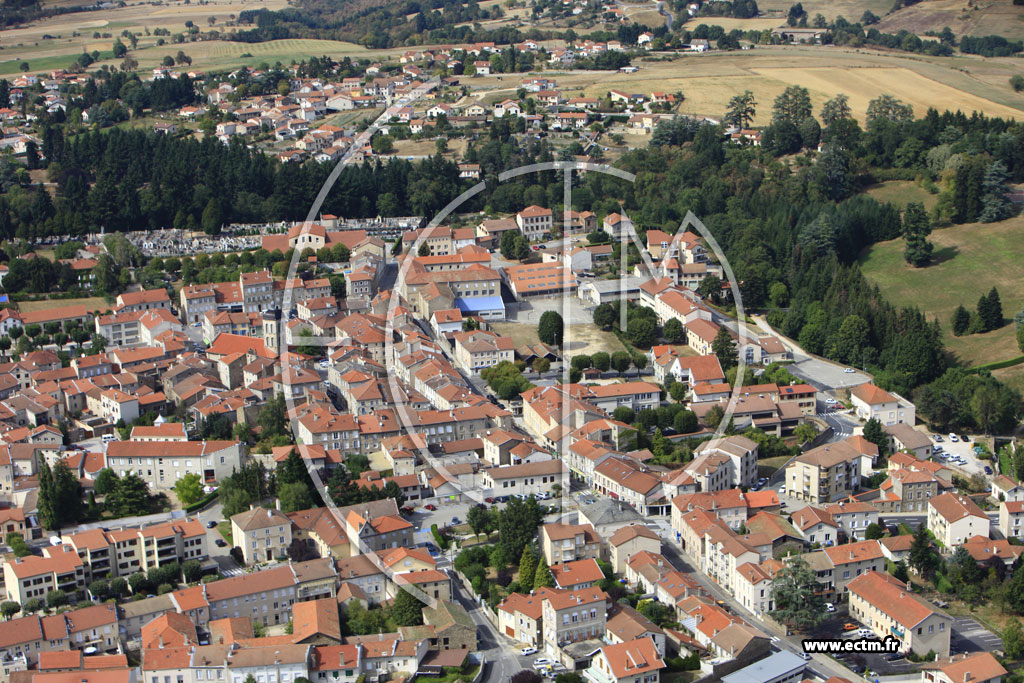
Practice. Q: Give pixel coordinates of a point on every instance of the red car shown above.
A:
(488, 500)
(430, 507)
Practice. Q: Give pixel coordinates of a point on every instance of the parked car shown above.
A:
(526, 651)
(488, 500)
(953, 437)
(542, 661)
(804, 656)
(849, 371)
(938, 438)
(220, 543)
(893, 656)
(430, 506)
(212, 524)
(988, 470)
(829, 607)
(850, 626)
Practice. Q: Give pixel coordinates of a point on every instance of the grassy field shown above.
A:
(68, 35)
(971, 259)
(851, 9)
(963, 17)
(709, 80)
(901, 193)
(92, 303)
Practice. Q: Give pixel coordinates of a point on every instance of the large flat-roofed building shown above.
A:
(780, 667)
(539, 279)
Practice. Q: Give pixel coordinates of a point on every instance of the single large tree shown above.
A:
(543, 577)
(874, 433)
(961, 320)
(836, 109)
(795, 592)
(741, 110)
(923, 557)
(724, 348)
(916, 228)
(551, 328)
(406, 610)
(673, 331)
(527, 570)
(792, 106)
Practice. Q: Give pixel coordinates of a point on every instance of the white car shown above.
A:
(782, 489)
(829, 607)
(527, 651)
(866, 633)
(953, 437)
(542, 661)
(849, 371)
(804, 656)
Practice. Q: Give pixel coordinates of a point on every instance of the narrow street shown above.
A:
(821, 665)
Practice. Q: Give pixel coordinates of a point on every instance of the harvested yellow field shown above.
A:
(708, 81)
(861, 85)
(729, 23)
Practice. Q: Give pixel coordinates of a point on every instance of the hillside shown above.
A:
(970, 260)
(962, 16)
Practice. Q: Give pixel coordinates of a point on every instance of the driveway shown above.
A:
(970, 636)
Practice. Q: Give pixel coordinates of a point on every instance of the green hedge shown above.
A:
(203, 502)
(999, 364)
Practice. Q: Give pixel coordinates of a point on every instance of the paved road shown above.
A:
(823, 666)
(821, 374)
(499, 651)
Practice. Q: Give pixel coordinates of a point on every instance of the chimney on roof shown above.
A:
(967, 676)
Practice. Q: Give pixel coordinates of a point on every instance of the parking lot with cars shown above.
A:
(959, 451)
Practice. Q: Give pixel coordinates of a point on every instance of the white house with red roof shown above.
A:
(634, 661)
(870, 401)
